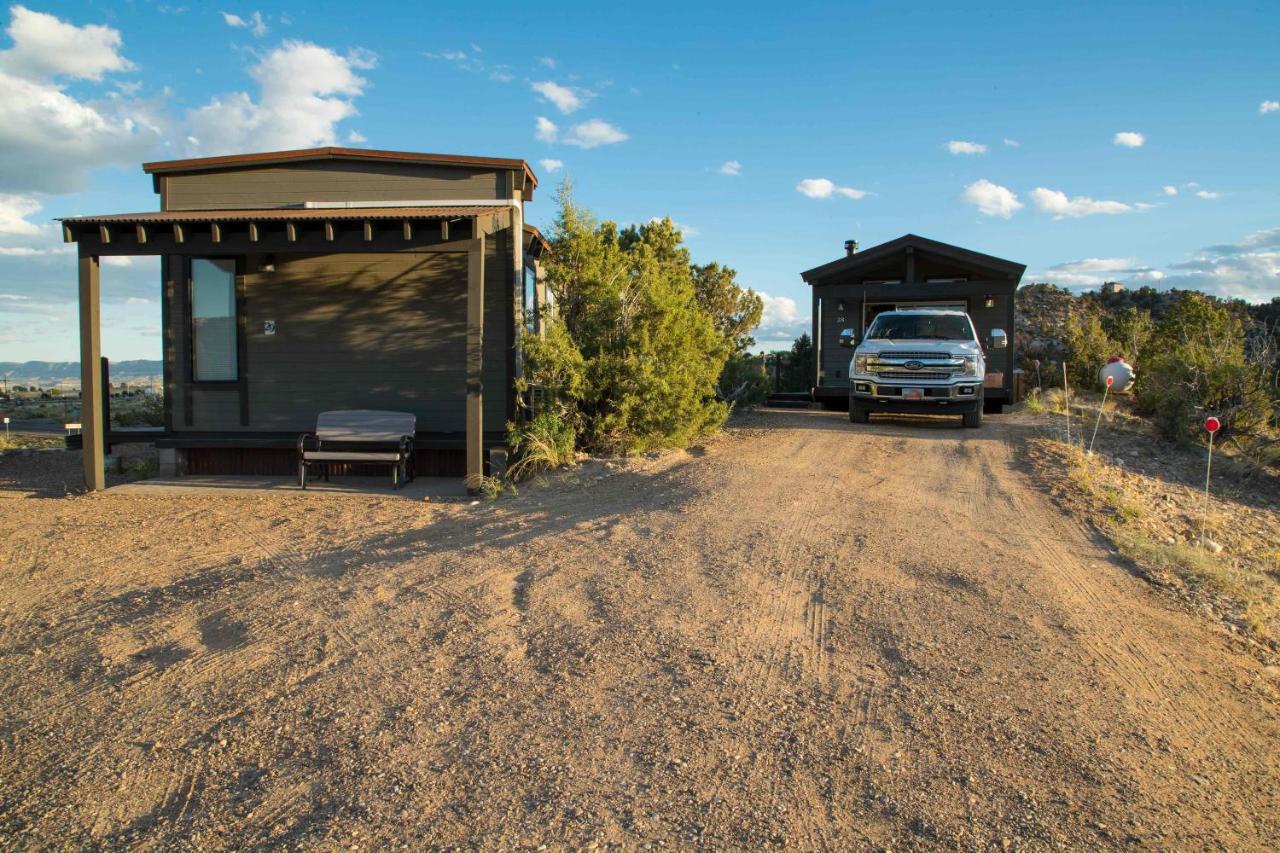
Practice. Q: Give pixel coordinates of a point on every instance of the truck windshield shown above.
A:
(902, 327)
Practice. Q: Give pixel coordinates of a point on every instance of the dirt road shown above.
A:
(806, 634)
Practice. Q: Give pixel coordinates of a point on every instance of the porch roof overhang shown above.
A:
(401, 227)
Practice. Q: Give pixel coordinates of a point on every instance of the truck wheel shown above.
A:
(858, 414)
(973, 419)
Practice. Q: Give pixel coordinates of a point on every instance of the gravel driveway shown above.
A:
(804, 634)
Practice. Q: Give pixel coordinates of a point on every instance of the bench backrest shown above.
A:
(364, 425)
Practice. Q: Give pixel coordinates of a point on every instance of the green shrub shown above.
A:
(743, 382)
(632, 358)
(1088, 347)
(149, 411)
(544, 442)
(1198, 367)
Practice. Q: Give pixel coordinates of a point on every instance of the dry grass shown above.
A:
(16, 441)
(1244, 584)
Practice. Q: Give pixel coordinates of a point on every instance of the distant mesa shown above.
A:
(53, 372)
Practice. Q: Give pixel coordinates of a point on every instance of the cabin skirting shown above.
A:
(279, 462)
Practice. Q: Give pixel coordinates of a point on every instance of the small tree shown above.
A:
(1088, 347)
(798, 375)
(633, 356)
(1198, 367)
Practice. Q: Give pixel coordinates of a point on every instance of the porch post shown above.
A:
(92, 428)
(475, 360)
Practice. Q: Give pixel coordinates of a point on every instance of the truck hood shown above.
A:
(920, 346)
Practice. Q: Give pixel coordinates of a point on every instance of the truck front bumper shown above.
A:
(887, 397)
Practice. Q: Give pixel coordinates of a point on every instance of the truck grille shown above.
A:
(917, 356)
(913, 374)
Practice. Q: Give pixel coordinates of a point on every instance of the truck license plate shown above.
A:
(913, 393)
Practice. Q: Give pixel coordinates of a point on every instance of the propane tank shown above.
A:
(1121, 373)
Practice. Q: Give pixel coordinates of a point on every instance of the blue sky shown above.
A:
(1089, 142)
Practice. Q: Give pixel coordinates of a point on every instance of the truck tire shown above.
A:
(858, 414)
(972, 420)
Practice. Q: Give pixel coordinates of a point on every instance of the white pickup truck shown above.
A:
(919, 361)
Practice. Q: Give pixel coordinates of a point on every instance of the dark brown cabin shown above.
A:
(910, 272)
(296, 282)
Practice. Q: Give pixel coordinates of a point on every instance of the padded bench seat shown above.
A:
(360, 436)
(349, 456)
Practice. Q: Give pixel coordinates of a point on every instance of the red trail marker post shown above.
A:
(1212, 425)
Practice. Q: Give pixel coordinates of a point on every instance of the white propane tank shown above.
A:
(1121, 374)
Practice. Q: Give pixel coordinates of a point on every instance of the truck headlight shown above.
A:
(860, 363)
(970, 366)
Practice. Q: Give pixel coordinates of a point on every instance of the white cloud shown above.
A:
(782, 319)
(1091, 272)
(548, 62)
(1129, 139)
(992, 199)
(1059, 206)
(1012, 143)
(14, 210)
(45, 46)
(593, 133)
(116, 261)
(1208, 194)
(566, 99)
(731, 167)
(1169, 189)
(824, 188)
(959, 146)
(254, 23)
(1248, 270)
(545, 130)
(551, 164)
(1268, 107)
(50, 139)
(355, 137)
(501, 74)
(304, 92)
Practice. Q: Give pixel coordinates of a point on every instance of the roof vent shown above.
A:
(850, 248)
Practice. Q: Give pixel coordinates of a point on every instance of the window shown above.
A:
(530, 299)
(213, 320)
(902, 327)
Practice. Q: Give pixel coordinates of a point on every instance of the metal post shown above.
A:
(1204, 515)
(1066, 399)
(1101, 409)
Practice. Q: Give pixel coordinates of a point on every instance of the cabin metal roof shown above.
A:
(331, 152)
(287, 214)
(877, 254)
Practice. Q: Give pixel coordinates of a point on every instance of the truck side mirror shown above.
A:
(849, 338)
(999, 340)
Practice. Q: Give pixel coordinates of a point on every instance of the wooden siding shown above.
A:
(377, 330)
(281, 186)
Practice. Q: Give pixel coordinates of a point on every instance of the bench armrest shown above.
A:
(302, 441)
